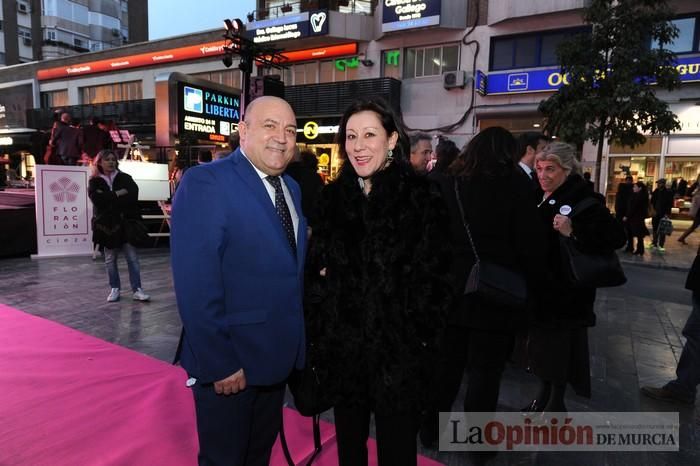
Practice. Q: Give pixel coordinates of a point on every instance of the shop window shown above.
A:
(687, 32)
(111, 93)
(305, 73)
(639, 168)
(338, 70)
(528, 50)
(391, 64)
(430, 61)
(52, 99)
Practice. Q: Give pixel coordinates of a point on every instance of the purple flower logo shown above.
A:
(64, 190)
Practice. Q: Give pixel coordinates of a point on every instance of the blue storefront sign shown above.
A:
(551, 79)
(307, 24)
(399, 15)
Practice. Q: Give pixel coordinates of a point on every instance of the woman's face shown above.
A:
(550, 174)
(636, 188)
(108, 163)
(367, 143)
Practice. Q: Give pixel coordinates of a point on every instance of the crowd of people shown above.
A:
(370, 293)
(71, 143)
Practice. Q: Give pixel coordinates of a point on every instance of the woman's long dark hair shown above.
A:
(490, 153)
(391, 121)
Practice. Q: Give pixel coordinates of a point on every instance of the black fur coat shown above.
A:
(374, 319)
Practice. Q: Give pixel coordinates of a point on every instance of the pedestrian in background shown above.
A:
(622, 203)
(635, 217)
(67, 141)
(115, 197)
(480, 335)
(662, 202)
(304, 170)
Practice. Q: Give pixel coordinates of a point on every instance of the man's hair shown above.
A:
(204, 156)
(415, 138)
(529, 139)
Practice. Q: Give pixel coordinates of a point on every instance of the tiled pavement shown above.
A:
(637, 340)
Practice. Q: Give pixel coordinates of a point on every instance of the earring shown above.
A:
(390, 155)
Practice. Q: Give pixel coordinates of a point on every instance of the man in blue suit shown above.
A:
(238, 242)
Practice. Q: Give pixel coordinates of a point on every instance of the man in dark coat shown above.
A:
(95, 138)
(662, 201)
(622, 202)
(529, 144)
(68, 141)
(684, 388)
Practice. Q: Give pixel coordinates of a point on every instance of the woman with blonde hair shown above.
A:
(115, 197)
(557, 346)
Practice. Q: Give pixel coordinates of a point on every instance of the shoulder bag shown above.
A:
(492, 283)
(586, 269)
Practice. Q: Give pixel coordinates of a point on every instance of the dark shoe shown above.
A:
(533, 407)
(664, 394)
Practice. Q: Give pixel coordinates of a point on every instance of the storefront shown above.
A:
(318, 136)
(675, 157)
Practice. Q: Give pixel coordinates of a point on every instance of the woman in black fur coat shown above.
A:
(558, 336)
(377, 287)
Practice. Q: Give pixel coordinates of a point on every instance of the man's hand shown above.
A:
(231, 384)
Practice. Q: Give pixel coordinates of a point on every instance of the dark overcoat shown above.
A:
(110, 209)
(375, 318)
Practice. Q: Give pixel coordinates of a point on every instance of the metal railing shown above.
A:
(361, 7)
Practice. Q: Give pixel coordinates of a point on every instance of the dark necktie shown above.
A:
(283, 211)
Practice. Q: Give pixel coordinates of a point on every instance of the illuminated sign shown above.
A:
(309, 23)
(480, 82)
(399, 15)
(320, 53)
(344, 63)
(311, 130)
(551, 79)
(209, 49)
(206, 113)
(392, 57)
(6, 141)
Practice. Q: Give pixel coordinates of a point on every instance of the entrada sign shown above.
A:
(551, 79)
(205, 113)
(309, 23)
(410, 14)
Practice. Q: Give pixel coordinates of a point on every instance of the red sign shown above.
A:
(192, 52)
(210, 49)
(320, 53)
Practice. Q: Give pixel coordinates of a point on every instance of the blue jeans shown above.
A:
(132, 261)
(688, 369)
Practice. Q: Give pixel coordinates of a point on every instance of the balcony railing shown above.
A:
(276, 10)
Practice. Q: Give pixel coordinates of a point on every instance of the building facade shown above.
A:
(452, 67)
(33, 30)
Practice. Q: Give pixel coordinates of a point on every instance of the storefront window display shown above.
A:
(329, 161)
(644, 169)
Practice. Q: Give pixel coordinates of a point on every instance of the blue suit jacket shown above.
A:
(237, 282)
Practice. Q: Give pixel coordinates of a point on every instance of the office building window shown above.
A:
(230, 78)
(430, 61)
(52, 99)
(688, 39)
(341, 69)
(111, 93)
(528, 50)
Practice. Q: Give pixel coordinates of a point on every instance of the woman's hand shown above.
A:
(562, 224)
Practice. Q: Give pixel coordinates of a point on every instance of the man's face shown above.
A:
(268, 134)
(420, 156)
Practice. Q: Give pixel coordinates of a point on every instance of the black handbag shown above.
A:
(307, 390)
(492, 283)
(586, 269)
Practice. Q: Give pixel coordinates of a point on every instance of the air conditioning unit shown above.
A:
(22, 7)
(452, 79)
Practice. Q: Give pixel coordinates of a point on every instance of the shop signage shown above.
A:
(321, 52)
(307, 24)
(319, 131)
(14, 103)
(551, 79)
(688, 117)
(410, 14)
(392, 57)
(206, 113)
(6, 141)
(63, 211)
(344, 63)
(480, 82)
(209, 49)
(311, 129)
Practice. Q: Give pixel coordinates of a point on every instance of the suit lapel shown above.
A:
(255, 184)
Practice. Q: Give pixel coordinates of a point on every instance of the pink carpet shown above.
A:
(69, 399)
